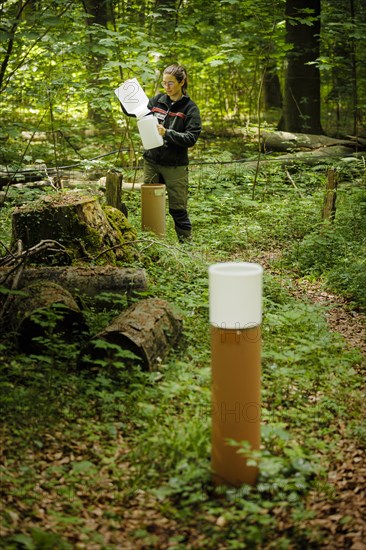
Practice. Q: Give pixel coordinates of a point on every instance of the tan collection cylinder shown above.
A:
(153, 208)
(235, 318)
(235, 363)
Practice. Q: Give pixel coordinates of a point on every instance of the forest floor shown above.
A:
(72, 479)
(340, 514)
(347, 471)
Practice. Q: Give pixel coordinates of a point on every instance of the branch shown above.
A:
(34, 250)
(293, 183)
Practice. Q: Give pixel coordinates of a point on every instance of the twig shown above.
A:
(293, 183)
(18, 273)
(42, 245)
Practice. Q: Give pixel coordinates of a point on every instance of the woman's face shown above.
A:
(172, 87)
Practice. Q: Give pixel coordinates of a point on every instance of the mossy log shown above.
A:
(148, 329)
(82, 280)
(79, 223)
(45, 310)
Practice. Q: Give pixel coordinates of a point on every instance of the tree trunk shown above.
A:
(301, 108)
(148, 329)
(90, 281)
(79, 224)
(98, 15)
(272, 95)
(45, 310)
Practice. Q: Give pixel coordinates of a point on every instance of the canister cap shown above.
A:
(235, 294)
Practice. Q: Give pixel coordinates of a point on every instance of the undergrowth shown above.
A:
(81, 448)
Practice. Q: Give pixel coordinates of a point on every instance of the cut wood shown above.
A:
(148, 329)
(82, 280)
(45, 310)
(79, 223)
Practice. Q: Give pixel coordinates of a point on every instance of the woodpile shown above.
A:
(56, 245)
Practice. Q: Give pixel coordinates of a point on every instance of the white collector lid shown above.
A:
(235, 295)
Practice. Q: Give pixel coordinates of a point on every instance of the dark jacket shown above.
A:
(183, 122)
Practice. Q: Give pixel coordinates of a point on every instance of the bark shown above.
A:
(82, 280)
(99, 12)
(148, 329)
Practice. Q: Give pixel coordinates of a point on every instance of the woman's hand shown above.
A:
(161, 130)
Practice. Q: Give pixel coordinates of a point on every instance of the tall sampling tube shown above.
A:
(153, 208)
(235, 291)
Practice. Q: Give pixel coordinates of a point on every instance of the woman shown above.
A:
(180, 125)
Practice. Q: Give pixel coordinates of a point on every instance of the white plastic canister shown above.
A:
(235, 295)
(148, 129)
(134, 101)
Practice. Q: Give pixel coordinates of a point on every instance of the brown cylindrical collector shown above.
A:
(153, 208)
(235, 317)
(236, 358)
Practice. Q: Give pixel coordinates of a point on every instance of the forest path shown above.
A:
(339, 510)
(342, 513)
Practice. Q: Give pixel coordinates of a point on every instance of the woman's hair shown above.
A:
(180, 74)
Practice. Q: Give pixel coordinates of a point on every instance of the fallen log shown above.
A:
(289, 141)
(310, 158)
(44, 311)
(148, 329)
(82, 280)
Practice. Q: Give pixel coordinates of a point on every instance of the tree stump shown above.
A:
(148, 329)
(329, 205)
(79, 223)
(113, 190)
(44, 310)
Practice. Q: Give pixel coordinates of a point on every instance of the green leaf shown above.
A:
(83, 466)
(25, 540)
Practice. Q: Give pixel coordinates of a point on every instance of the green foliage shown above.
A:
(336, 251)
(108, 439)
(60, 65)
